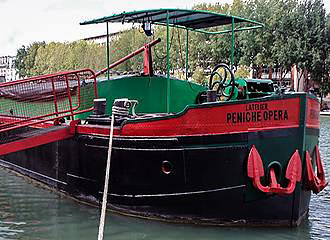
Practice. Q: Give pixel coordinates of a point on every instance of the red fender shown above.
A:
(315, 183)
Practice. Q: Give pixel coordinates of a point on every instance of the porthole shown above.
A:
(167, 167)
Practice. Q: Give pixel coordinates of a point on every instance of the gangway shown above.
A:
(32, 109)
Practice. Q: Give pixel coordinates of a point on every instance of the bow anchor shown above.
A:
(316, 183)
(256, 171)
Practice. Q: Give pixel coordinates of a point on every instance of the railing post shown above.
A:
(69, 95)
(55, 101)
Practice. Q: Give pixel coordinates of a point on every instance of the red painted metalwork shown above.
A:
(140, 50)
(293, 174)
(73, 126)
(255, 171)
(29, 99)
(196, 122)
(42, 123)
(54, 93)
(313, 113)
(316, 183)
(146, 60)
(267, 115)
(34, 141)
(69, 95)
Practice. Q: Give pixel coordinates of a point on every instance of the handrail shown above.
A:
(45, 98)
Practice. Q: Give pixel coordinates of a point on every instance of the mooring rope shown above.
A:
(106, 183)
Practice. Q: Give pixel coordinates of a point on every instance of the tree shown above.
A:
(295, 33)
(285, 49)
(20, 61)
(31, 57)
(25, 58)
(257, 46)
(325, 70)
(316, 38)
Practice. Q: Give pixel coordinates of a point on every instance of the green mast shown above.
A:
(232, 44)
(168, 97)
(187, 53)
(108, 51)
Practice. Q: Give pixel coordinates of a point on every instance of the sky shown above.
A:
(25, 21)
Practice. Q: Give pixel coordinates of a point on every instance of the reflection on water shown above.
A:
(29, 212)
(320, 204)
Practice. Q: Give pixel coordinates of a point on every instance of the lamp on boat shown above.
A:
(147, 28)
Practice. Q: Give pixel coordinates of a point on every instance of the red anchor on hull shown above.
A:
(315, 183)
(256, 171)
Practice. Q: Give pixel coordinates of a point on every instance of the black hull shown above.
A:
(207, 185)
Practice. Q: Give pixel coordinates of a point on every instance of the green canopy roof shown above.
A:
(193, 19)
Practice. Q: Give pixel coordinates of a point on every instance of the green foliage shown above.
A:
(316, 40)
(198, 76)
(207, 50)
(296, 33)
(125, 43)
(242, 72)
(41, 58)
(20, 61)
(25, 58)
(325, 79)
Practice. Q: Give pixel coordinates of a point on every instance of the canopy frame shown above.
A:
(191, 20)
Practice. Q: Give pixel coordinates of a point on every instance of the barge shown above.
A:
(235, 152)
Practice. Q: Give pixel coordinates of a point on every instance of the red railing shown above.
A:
(46, 98)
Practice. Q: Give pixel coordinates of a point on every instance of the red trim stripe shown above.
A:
(243, 117)
(30, 142)
(222, 119)
(313, 113)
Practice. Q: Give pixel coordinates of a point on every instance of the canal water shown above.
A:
(34, 213)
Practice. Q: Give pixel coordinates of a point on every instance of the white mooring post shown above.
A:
(106, 184)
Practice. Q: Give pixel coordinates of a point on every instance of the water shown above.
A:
(34, 213)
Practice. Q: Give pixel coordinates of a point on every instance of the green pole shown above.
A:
(187, 53)
(232, 44)
(168, 60)
(108, 52)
